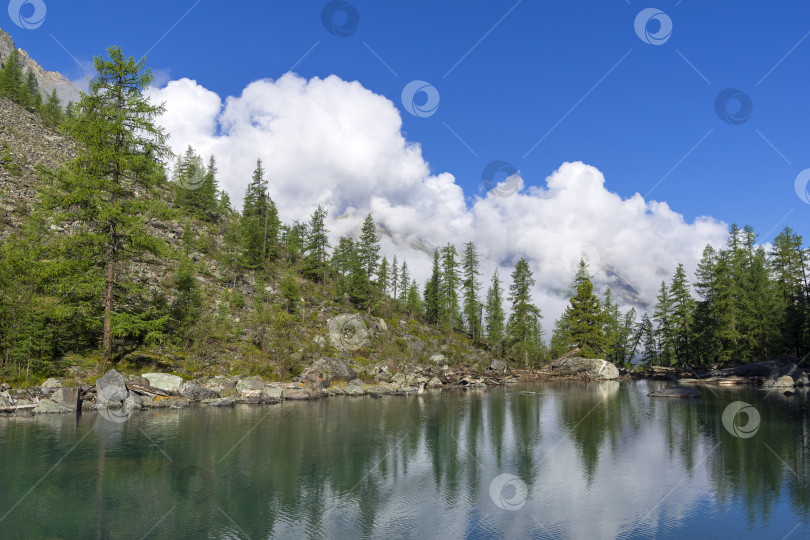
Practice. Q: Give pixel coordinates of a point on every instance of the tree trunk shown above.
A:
(108, 302)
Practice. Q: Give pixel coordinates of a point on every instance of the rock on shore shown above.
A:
(584, 368)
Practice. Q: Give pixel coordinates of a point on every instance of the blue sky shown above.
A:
(574, 74)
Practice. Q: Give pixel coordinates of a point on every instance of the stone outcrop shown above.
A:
(584, 368)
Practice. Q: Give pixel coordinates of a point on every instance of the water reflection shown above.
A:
(598, 460)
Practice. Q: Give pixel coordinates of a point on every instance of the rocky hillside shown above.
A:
(26, 147)
(48, 80)
(250, 332)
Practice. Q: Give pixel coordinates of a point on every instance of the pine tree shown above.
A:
(665, 336)
(11, 78)
(648, 341)
(496, 317)
(383, 276)
(627, 340)
(585, 318)
(705, 323)
(788, 265)
(449, 315)
(404, 278)
(395, 279)
(293, 238)
(361, 290)
(32, 97)
(341, 256)
(523, 329)
(470, 287)
(260, 223)
(561, 337)
(51, 111)
(432, 292)
(413, 304)
(117, 152)
(317, 246)
(681, 320)
(611, 325)
(188, 175)
(369, 248)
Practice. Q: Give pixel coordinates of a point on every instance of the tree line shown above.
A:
(74, 291)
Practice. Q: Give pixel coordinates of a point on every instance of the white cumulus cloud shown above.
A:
(336, 143)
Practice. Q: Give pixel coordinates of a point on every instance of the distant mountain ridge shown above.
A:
(48, 80)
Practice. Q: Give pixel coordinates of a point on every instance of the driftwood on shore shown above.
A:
(13, 408)
(146, 390)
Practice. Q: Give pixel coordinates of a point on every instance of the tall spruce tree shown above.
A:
(681, 319)
(470, 287)
(523, 329)
(384, 276)
(12, 84)
(369, 248)
(317, 246)
(449, 315)
(662, 315)
(495, 318)
(51, 111)
(432, 292)
(395, 280)
(413, 304)
(405, 279)
(585, 318)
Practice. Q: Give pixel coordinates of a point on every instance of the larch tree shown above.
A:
(118, 153)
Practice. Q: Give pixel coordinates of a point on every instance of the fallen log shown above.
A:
(147, 390)
(13, 408)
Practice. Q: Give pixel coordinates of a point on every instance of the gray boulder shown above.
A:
(250, 387)
(497, 365)
(110, 388)
(676, 392)
(272, 394)
(325, 370)
(585, 368)
(163, 381)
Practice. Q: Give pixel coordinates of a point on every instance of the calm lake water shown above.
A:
(598, 460)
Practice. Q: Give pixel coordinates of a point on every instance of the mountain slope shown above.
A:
(48, 80)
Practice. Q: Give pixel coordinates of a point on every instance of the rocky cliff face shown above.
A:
(48, 80)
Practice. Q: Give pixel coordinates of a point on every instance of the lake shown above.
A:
(569, 460)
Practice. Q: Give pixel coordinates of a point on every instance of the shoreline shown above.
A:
(116, 396)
